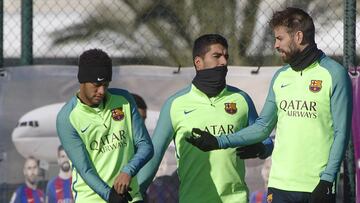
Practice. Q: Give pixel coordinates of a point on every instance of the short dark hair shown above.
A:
(140, 102)
(203, 43)
(295, 19)
(60, 148)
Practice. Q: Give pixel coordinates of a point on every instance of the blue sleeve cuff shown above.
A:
(327, 177)
(127, 170)
(107, 194)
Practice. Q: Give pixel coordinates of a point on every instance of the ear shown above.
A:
(198, 63)
(299, 37)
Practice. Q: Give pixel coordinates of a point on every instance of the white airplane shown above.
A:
(35, 133)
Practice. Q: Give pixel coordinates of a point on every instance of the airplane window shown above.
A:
(34, 123)
(30, 123)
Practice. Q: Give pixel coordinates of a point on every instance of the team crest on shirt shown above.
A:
(117, 114)
(230, 108)
(269, 198)
(315, 85)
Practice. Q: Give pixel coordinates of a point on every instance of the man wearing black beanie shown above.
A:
(104, 135)
(207, 103)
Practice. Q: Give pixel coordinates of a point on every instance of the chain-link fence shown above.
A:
(161, 32)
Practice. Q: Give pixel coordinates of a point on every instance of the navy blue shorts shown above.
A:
(283, 196)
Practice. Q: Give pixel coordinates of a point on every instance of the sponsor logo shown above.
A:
(299, 108)
(100, 79)
(84, 129)
(109, 142)
(220, 129)
(117, 114)
(230, 108)
(315, 85)
(187, 112)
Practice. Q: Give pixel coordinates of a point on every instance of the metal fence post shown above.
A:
(26, 32)
(1, 33)
(349, 61)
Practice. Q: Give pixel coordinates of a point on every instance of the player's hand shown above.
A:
(251, 151)
(322, 192)
(118, 198)
(122, 182)
(202, 140)
(121, 185)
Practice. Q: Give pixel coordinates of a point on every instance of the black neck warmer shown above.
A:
(305, 58)
(211, 81)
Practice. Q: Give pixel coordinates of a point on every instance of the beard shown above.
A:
(32, 180)
(65, 166)
(290, 55)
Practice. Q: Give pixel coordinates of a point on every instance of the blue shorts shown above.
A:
(283, 196)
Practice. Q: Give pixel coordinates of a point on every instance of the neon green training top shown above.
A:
(210, 177)
(101, 142)
(312, 109)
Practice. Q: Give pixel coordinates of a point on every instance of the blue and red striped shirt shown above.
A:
(58, 190)
(259, 196)
(25, 194)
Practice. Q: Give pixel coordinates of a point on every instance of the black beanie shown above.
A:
(94, 66)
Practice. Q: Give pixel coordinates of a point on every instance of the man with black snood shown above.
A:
(211, 105)
(310, 102)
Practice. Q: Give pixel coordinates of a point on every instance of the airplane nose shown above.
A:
(36, 133)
